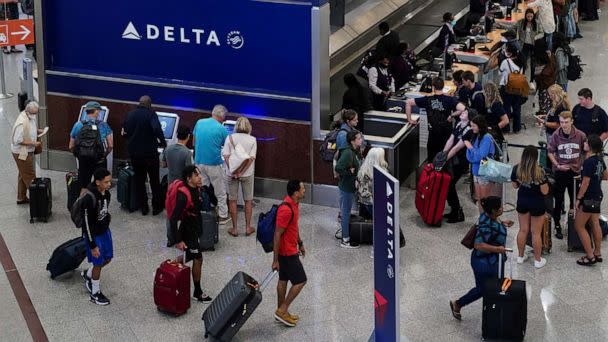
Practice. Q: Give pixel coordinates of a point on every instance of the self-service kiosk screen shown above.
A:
(100, 117)
(167, 123)
(229, 126)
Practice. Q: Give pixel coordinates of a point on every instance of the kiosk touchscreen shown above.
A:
(102, 116)
(169, 123)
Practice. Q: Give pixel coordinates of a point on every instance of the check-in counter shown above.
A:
(399, 139)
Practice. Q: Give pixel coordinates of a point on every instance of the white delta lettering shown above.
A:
(389, 230)
(153, 32)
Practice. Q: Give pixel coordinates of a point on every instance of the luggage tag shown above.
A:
(94, 127)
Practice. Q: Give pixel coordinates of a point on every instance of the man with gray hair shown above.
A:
(24, 143)
(208, 139)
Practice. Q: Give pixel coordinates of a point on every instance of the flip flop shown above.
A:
(233, 234)
(250, 232)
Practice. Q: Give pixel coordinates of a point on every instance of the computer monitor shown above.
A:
(103, 114)
(229, 125)
(168, 123)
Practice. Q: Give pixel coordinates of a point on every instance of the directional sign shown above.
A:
(15, 32)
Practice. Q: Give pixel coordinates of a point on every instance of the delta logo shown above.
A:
(181, 35)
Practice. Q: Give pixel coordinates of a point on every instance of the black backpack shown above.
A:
(575, 67)
(77, 212)
(88, 142)
(27, 7)
(328, 148)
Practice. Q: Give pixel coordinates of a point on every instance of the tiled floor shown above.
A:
(566, 302)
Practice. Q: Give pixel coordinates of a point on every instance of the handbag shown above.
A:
(38, 149)
(592, 204)
(238, 156)
(495, 171)
(517, 84)
(469, 238)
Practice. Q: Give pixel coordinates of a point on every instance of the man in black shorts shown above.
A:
(187, 210)
(287, 249)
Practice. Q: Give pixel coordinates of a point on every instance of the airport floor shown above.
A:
(566, 302)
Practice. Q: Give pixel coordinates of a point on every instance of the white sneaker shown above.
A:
(521, 260)
(541, 263)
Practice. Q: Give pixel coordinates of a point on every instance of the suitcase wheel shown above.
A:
(570, 249)
(32, 221)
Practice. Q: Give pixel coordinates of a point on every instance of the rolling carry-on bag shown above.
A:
(431, 194)
(126, 193)
(210, 230)
(73, 185)
(41, 201)
(545, 236)
(505, 307)
(172, 287)
(164, 186)
(67, 257)
(361, 230)
(233, 306)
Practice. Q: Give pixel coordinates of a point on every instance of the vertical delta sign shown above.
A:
(252, 55)
(386, 256)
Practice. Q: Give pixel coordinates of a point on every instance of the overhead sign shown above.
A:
(16, 32)
(386, 256)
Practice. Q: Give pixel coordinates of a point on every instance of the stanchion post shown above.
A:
(507, 207)
(3, 94)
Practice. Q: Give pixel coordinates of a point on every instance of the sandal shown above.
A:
(249, 231)
(598, 258)
(455, 313)
(232, 233)
(585, 261)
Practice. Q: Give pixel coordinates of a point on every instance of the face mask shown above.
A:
(31, 116)
(503, 40)
(453, 22)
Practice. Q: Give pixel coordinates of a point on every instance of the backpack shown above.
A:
(88, 142)
(517, 84)
(328, 148)
(170, 201)
(575, 69)
(77, 212)
(267, 225)
(27, 7)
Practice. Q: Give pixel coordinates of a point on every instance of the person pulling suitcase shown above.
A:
(184, 204)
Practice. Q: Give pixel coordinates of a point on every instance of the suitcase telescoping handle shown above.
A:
(509, 250)
(177, 254)
(267, 280)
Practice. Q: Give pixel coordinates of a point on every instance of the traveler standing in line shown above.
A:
(244, 175)
(348, 168)
(187, 211)
(459, 165)
(24, 143)
(144, 133)
(176, 157)
(528, 31)
(480, 148)
(439, 110)
(589, 117)
(462, 92)
(208, 139)
(559, 104)
(546, 18)
(387, 45)
(589, 202)
(562, 50)
(489, 243)
(350, 120)
(381, 83)
(545, 75)
(91, 141)
(532, 187)
(96, 231)
(495, 114)
(565, 150)
(365, 177)
(474, 93)
(356, 98)
(288, 247)
(512, 103)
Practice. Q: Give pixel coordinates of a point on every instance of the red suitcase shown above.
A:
(172, 288)
(431, 194)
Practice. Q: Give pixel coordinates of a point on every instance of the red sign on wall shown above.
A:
(15, 32)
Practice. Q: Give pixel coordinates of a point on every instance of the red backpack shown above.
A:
(177, 186)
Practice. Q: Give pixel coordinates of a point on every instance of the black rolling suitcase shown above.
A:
(41, 201)
(164, 186)
(361, 231)
(73, 185)
(210, 230)
(233, 306)
(126, 193)
(67, 257)
(505, 313)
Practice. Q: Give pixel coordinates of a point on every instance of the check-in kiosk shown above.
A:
(102, 116)
(168, 123)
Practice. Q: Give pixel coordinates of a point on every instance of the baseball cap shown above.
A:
(92, 105)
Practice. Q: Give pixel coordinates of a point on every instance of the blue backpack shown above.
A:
(266, 226)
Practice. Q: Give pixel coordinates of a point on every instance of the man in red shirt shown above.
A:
(287, 249)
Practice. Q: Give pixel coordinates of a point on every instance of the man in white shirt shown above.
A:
(381, 83)
(24, 143)
(547, 19)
